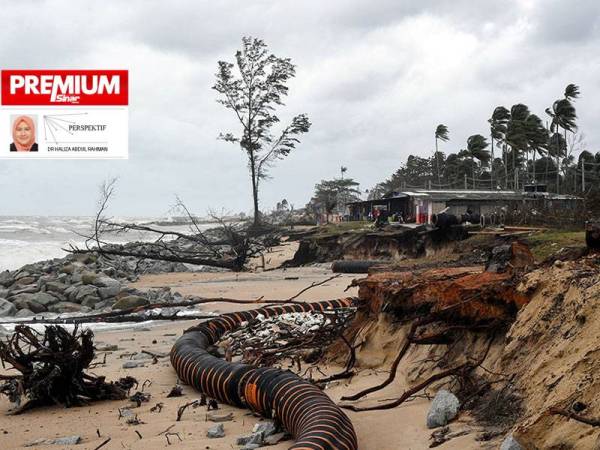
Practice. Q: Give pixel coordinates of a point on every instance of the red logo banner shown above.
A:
(64, 87)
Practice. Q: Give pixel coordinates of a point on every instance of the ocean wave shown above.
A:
(13, 243)
(23, 229)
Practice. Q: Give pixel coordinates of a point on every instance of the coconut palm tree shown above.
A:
(441, 134)
(498, 122)
(516, 133)
(572, 92)
(563, 115)
(557, 149)
(476, 149)
(537, 139)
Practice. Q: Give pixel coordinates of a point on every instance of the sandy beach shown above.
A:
(399, 428)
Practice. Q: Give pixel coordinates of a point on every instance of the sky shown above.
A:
(374, 76)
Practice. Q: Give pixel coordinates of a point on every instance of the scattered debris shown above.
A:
(133, 364)
(255, 439)
(157, 408)
(443, 435)
(202, 400)
(579, 418)
(125, 412)
(67, 440)
(103, 444)
(182, 409)
(108, 348)
(172, 434)
(167, 430)
(140, 397)
(262, 433)
(135, 420)
(213, 417)
(176, 391)
(216, 431)
(212, 404)
(265, 341)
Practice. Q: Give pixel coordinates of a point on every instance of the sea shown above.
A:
(28, 239)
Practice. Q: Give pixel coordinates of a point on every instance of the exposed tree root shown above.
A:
(52, 368)
(413, 329)
(412, 391)
(571, 415)
(461, 370)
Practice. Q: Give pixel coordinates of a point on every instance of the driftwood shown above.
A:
(103, 444)
(182, 408)
(320, 283)
(52, 369)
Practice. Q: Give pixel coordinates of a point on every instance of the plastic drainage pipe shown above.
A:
(315, 421)
(356, 266)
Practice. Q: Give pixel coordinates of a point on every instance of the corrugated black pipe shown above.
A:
(315, 421)
(356, 266)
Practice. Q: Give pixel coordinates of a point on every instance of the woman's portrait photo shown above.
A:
(23, 134)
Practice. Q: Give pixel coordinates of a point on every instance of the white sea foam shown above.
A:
(24, 240)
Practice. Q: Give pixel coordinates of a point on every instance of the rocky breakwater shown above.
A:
(79, 283)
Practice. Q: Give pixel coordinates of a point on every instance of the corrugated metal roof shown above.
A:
(475, 195)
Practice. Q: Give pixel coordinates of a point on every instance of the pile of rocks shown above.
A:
(76, 283)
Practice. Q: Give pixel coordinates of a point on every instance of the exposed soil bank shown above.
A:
(539, 330)
(391, 244)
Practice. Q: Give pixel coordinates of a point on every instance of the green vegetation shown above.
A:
(332, 195)
(331, 229)
(544, 244)
(528, 148)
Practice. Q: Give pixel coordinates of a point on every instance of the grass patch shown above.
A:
(544, 244)
(344, 227)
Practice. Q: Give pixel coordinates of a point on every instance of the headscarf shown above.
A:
(29, 121)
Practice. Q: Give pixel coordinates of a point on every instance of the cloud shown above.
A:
(565, 23)
(375, 78)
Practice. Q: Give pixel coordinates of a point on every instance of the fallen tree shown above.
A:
(228, 246)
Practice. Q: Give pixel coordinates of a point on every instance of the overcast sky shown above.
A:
(374, 76)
